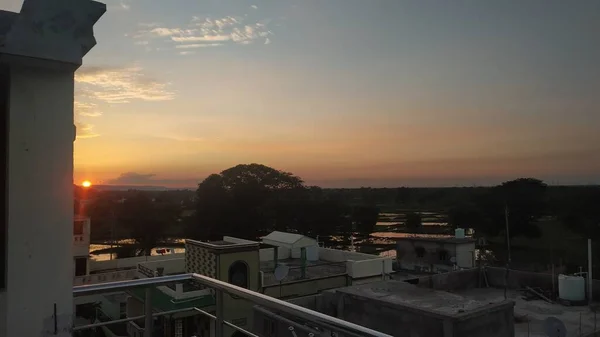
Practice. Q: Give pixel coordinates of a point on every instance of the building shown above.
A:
(435, 254)
(403, 309)
(250, 265)
(81, 245)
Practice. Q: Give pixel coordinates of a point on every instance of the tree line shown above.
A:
(252, 200)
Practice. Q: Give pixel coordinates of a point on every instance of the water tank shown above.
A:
(312, 253)
(571, 288)
(459, 233)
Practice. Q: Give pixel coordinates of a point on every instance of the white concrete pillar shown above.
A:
(40, 201)
(42, 47)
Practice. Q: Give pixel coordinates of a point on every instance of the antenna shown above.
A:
(554, 327)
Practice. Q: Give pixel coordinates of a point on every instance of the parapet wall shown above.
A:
(453, 281)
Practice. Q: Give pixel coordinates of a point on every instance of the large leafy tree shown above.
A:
(251, 200)
(523, 200)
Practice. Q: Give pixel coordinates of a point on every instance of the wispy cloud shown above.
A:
(121, 85)
(149, 179)
(85, 130)
(185, 139)
(210, 32)
(198, 45)
(87, 109)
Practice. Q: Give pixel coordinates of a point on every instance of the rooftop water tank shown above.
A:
(571, 288)
(459, 233)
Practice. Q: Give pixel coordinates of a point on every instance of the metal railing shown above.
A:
(328, 322)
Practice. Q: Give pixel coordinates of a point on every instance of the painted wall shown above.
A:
(105, 277)
(432, 260)
(40, 241)
(239, 310)
(465, 255)
(305, 287)
(268, 254)
(368, 268)
(132, 262)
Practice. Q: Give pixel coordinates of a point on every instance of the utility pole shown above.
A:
(508, 247)
(589, 275)
(507, 231)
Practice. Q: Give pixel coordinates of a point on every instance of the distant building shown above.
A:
(435, 254)
(81, 245)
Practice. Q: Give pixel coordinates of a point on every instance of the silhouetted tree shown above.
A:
(364, 219)
(251, 200)
(525, 201)
(413, 221)
(147, 219)
(465, 215)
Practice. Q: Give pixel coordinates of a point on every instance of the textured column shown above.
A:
(41, 46)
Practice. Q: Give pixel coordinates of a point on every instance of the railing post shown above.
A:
(219, 326)
(148, 320)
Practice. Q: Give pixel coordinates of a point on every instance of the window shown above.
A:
(80, 266)
(4, 95)
(78, 227)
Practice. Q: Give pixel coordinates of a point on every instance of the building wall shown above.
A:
(40, 241)
(239, 311)
(407, 257)
(200, 260)
(305, 287)
(131, 262)
(456, 280)
(465, 255)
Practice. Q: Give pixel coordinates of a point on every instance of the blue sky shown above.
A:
(342, 92)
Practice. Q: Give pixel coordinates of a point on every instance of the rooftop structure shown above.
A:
(435, 254)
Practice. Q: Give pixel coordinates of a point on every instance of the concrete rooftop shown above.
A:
(530, 315)
(408, 295)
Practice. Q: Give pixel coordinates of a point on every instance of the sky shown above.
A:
(343, 93)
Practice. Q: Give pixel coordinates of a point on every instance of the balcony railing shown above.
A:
(343, 328)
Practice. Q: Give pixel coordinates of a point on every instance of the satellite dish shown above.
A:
(554, 327)
(281, 272)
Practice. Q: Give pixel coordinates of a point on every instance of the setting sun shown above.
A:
(86, 183)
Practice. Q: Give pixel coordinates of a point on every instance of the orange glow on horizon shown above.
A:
(86, 183)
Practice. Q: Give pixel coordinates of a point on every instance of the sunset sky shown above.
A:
(341, 92)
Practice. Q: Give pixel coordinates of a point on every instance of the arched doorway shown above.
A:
(238, 274)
